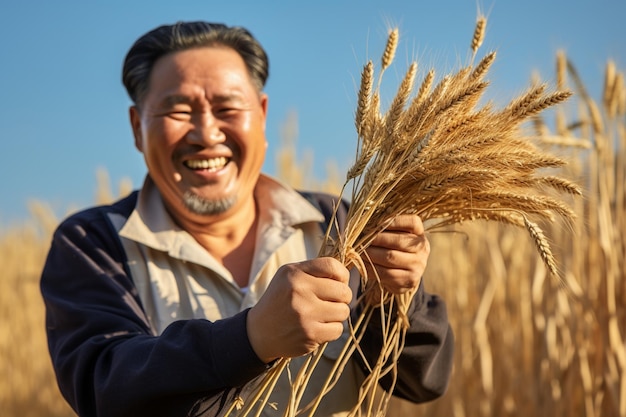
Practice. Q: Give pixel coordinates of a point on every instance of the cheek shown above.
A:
(258, 152)
(161, 138)
(256, 143)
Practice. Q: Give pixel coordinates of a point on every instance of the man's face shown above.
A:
(201, 129)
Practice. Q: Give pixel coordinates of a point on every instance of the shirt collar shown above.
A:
(150, 224)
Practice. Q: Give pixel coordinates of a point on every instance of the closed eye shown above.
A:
(227, 105)
(226, 112)
(177, 107)
(179, 114)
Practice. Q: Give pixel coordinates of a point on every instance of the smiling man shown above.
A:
(201, 129)
(173, 298)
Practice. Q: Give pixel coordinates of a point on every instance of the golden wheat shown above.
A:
(479, 33)
(390, 49)
(443, 159)
(505, 311)
(364, 99)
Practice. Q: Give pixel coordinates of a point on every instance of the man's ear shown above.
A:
(135, 123)
(264, 100)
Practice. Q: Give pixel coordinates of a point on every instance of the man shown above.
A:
(196, 284)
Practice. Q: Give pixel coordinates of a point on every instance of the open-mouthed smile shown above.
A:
(210, 164)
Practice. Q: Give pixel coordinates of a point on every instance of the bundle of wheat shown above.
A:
(436, 154)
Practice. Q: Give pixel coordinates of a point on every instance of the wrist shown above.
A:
(258, 341)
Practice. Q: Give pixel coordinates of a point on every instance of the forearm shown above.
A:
(107, 358)
(166, 375)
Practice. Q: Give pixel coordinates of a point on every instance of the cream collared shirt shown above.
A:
(177, 279)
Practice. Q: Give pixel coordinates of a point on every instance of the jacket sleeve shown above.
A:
(425, 363)
(107, 359)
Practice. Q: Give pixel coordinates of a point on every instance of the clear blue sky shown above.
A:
(63, 112)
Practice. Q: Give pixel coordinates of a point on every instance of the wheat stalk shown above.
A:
(390, 49)
(448, 160)
(561, 70)
(482, 67)
(364, 99)
(479, 33)
(609, 83)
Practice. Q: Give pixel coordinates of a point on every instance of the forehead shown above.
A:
(215, 67)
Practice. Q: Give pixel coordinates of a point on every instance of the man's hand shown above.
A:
(399, 254)
(304, 306)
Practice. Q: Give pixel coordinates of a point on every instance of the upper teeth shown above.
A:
(213, 163)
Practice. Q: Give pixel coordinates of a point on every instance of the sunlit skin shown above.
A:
(400, 254)
(201, 108)
(201, 129)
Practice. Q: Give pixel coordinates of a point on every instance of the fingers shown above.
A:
(400, 241)
(325, 267)
(398, 256)
(396, 281)
(404, 233)
(386, 257)
(329, 281)
(304, 306)
(401, 244)
(407, 223)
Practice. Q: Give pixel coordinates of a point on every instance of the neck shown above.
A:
(228, 237)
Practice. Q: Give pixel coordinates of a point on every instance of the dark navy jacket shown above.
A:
(109, 361)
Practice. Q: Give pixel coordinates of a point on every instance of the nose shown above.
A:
(206, 130)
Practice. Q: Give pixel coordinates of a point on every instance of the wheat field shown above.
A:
(527, 344)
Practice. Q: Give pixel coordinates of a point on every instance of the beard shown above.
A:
(203, 206)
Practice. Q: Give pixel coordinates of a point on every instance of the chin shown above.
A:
(208, 207)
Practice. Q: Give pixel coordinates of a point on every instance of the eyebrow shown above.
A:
(225, 98)
(175, 99)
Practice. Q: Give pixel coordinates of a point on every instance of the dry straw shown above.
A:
(443, 157)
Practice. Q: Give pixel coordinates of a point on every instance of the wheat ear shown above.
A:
(479, 33)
